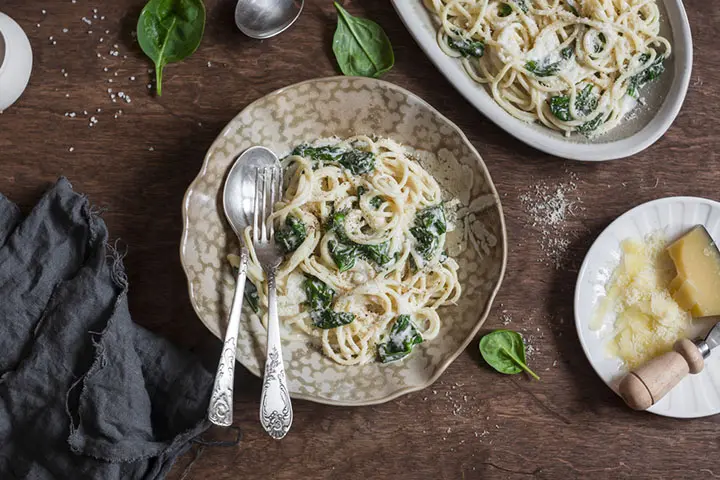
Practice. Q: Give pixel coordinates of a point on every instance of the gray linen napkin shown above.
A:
(84, 392)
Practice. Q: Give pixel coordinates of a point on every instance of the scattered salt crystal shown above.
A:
(65, 30)
(209, 64)
(44, 12)
(151, 149)
(87, 20)
(71, 149)
(132, 79)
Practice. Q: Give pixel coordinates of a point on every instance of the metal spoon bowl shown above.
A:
(266, 18)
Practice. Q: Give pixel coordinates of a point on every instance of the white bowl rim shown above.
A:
(585, 265)
(553, 145)
(440, 369)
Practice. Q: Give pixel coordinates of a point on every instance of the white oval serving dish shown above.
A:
(696, 395)
(647, 125)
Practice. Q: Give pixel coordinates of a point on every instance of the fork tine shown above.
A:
(264, 206)
(256, 207)
(273, 199)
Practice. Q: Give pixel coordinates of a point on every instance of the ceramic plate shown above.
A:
(344, 106)
(696, 395)
(630, 137)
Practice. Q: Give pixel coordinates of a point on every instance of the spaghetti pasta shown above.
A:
(571, 65)
(363, 227)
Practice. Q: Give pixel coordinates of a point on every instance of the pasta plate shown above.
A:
(343, 107)
(643, 126)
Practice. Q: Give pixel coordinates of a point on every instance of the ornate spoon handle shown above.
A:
(276, 413)
(220, 411)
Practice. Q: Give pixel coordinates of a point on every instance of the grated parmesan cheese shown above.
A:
(647, 319)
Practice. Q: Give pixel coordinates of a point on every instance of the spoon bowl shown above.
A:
(266, 18)
(239, 191)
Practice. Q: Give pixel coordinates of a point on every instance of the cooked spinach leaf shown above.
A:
(585, 103)
(361, 46)
(291, 235)
(403, 335)
(318, 295)
(560, 107)
(251, 296)
(358, 161)
(169, 31)
(590, 125)
(345, 252)
(376, 202)
(361, 191)
(326, 319)
(504, 10)
(319, 299)
(429, 225)
(572, 7)
(432, 219)
(547, 67)
(377, 253)
(318, 155)
(599, 43)
(467, 48)
(344, 255)
(650, 73)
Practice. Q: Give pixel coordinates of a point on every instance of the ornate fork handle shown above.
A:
(220, 411)
(276, 413)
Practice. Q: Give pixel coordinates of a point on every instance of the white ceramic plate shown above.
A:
(649, 123)
(696, 395)
(15, 61)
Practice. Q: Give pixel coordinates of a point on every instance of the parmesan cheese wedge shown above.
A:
(696, 287)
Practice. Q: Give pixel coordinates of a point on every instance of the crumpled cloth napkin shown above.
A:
(85, 393)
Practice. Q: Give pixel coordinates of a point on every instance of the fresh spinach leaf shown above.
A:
(290, 236)
(318, 295)
(326, 319)
(504, 350)
(169, 31)
(376, 202)
(467, 48)
(546, 67)
(403, 335)
(650, 73)
(361, 46)
(358, 161)
(344, 255)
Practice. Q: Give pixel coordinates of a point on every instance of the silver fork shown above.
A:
(276, 413)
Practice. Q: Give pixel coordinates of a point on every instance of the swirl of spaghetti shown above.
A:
(363, 229)
(571, 65)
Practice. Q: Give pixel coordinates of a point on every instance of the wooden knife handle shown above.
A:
(646, 385)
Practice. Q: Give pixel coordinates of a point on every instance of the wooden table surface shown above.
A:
(473, 423)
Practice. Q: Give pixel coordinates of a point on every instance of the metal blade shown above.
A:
(713, 337)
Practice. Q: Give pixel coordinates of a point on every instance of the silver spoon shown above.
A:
(266, 18)
(239, 205)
